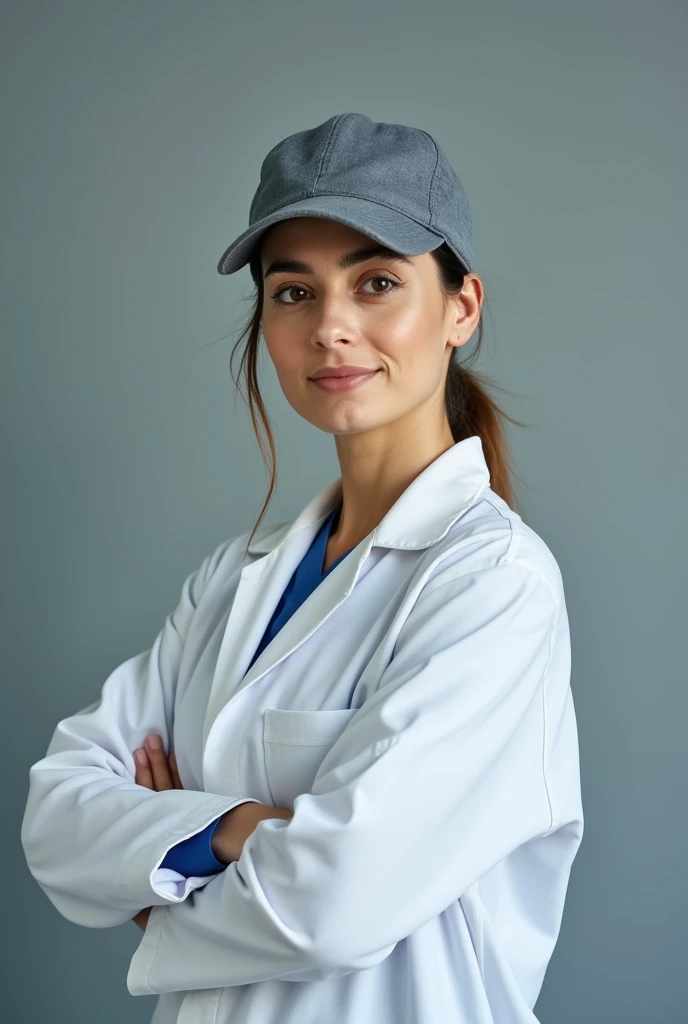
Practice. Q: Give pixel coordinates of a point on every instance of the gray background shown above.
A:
(133, 137)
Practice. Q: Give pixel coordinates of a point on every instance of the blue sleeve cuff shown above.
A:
(194, 856)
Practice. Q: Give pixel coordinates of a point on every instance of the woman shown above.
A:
(364, 802)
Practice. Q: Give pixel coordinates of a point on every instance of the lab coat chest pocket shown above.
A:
(295, 744)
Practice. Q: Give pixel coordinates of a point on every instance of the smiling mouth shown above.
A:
(346, 383)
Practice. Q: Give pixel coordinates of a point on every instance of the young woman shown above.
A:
(343, 784)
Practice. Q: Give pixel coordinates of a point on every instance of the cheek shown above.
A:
(283, 348)
(405, 330)
(409, 343)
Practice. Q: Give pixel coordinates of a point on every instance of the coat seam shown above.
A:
(545, 731)
(154, 956)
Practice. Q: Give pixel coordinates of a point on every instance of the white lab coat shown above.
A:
(416, 715)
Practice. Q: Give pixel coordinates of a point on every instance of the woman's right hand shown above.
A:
(238, 824)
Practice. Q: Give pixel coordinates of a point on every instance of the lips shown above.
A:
(346, 382)
(343, 371)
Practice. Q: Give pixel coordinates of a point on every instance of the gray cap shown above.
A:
(389, 181)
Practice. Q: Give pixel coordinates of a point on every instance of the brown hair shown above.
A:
(470, 408)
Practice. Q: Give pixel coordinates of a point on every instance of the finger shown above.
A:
(158, 762)
(143, 775)
(174, 772)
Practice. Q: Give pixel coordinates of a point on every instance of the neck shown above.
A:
(374, 475)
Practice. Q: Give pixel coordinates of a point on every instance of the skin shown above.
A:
(388, 430)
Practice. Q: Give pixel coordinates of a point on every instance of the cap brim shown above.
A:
(380, 222)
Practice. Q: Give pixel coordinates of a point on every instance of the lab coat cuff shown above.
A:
(142, 879)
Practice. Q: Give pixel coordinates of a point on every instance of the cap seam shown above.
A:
(327, 152)
(434, 173)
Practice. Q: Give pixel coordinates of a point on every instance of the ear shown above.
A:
(465, 310)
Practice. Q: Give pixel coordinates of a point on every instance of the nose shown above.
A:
(333, 323)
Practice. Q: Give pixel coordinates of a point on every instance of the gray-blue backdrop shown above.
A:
(133, 134)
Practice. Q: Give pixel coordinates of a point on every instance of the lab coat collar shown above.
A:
(419, 518)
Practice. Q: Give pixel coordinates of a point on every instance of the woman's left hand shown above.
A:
(156, 771)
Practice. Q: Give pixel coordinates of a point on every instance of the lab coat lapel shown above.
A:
(261, 585)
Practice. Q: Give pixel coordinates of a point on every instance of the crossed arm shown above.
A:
(156, 771)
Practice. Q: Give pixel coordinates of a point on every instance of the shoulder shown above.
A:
(490, 535)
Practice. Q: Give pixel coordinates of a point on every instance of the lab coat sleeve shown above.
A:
(93, 839)
(438, 776)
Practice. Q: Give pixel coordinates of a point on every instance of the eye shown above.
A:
(379, 277)
(279, 301)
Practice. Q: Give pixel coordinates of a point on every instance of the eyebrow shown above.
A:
(349, 259)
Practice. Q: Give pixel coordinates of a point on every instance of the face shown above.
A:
(380, 313)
